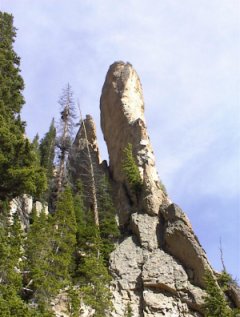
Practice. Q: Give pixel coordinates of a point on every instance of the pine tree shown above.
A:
(91, 271)
(17, 168)
(50, 248)
(95, 281)
(35, 147)
(38, 286)
(109, 231)
(90, 171)
(47, 151)
(215, 303)
(11, 302)
(64, 239)
(131, 170)
(47, 155)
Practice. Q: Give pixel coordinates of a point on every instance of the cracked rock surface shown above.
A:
(159, 264)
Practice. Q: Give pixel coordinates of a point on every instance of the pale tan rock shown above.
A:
(181, 242)
(234, 294)
(138, 265)
(146, 229)
(122, 299)
(163, 272)
(159, 304)
(123, 122)
(40, 207)
(125, 264)
(22, 206)
(60, 305)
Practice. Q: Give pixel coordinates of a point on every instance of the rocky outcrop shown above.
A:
(159, 265)
(22, 206)
(181, 242)
(78, 161)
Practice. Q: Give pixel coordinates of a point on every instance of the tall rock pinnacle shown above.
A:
(78, 162)
(158, 268)
(123, 122)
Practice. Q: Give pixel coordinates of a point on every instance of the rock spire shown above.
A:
(159, 266)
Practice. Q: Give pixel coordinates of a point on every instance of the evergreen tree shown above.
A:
(64, 239)
(50, 247)
(35, 147)
(131, 170)
(109, 231)
(47, 155)
(91, 271)
(17, 168)
(47, 151)
(215, 303)
(95, 281)
(11, 302)
(38, 284)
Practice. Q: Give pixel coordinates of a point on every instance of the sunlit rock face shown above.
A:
(158, 267)
(123, 122)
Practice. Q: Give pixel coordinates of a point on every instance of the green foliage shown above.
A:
(35, 147)
(73, 301)
(224, 279)
(129, 310)
(38, 252)
(50, 246)
(131, 170)
(94, 284)
(18, 170)
(94, 245)
(64, 240)
(215, 303)
(109, 231)
(47, 151)
(11, 302)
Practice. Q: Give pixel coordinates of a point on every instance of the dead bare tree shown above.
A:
(91, 172)
(65, 132)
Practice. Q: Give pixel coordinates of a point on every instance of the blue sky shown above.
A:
(187, 56)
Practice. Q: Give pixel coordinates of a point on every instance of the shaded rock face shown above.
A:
(123, 122)
(159, 265)
(78, 161)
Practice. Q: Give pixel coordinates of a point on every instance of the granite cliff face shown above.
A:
(159, 264)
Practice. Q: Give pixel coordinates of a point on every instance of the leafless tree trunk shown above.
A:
(64, 143)
(92, 185)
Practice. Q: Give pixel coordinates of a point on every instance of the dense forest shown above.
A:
(67, 249)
